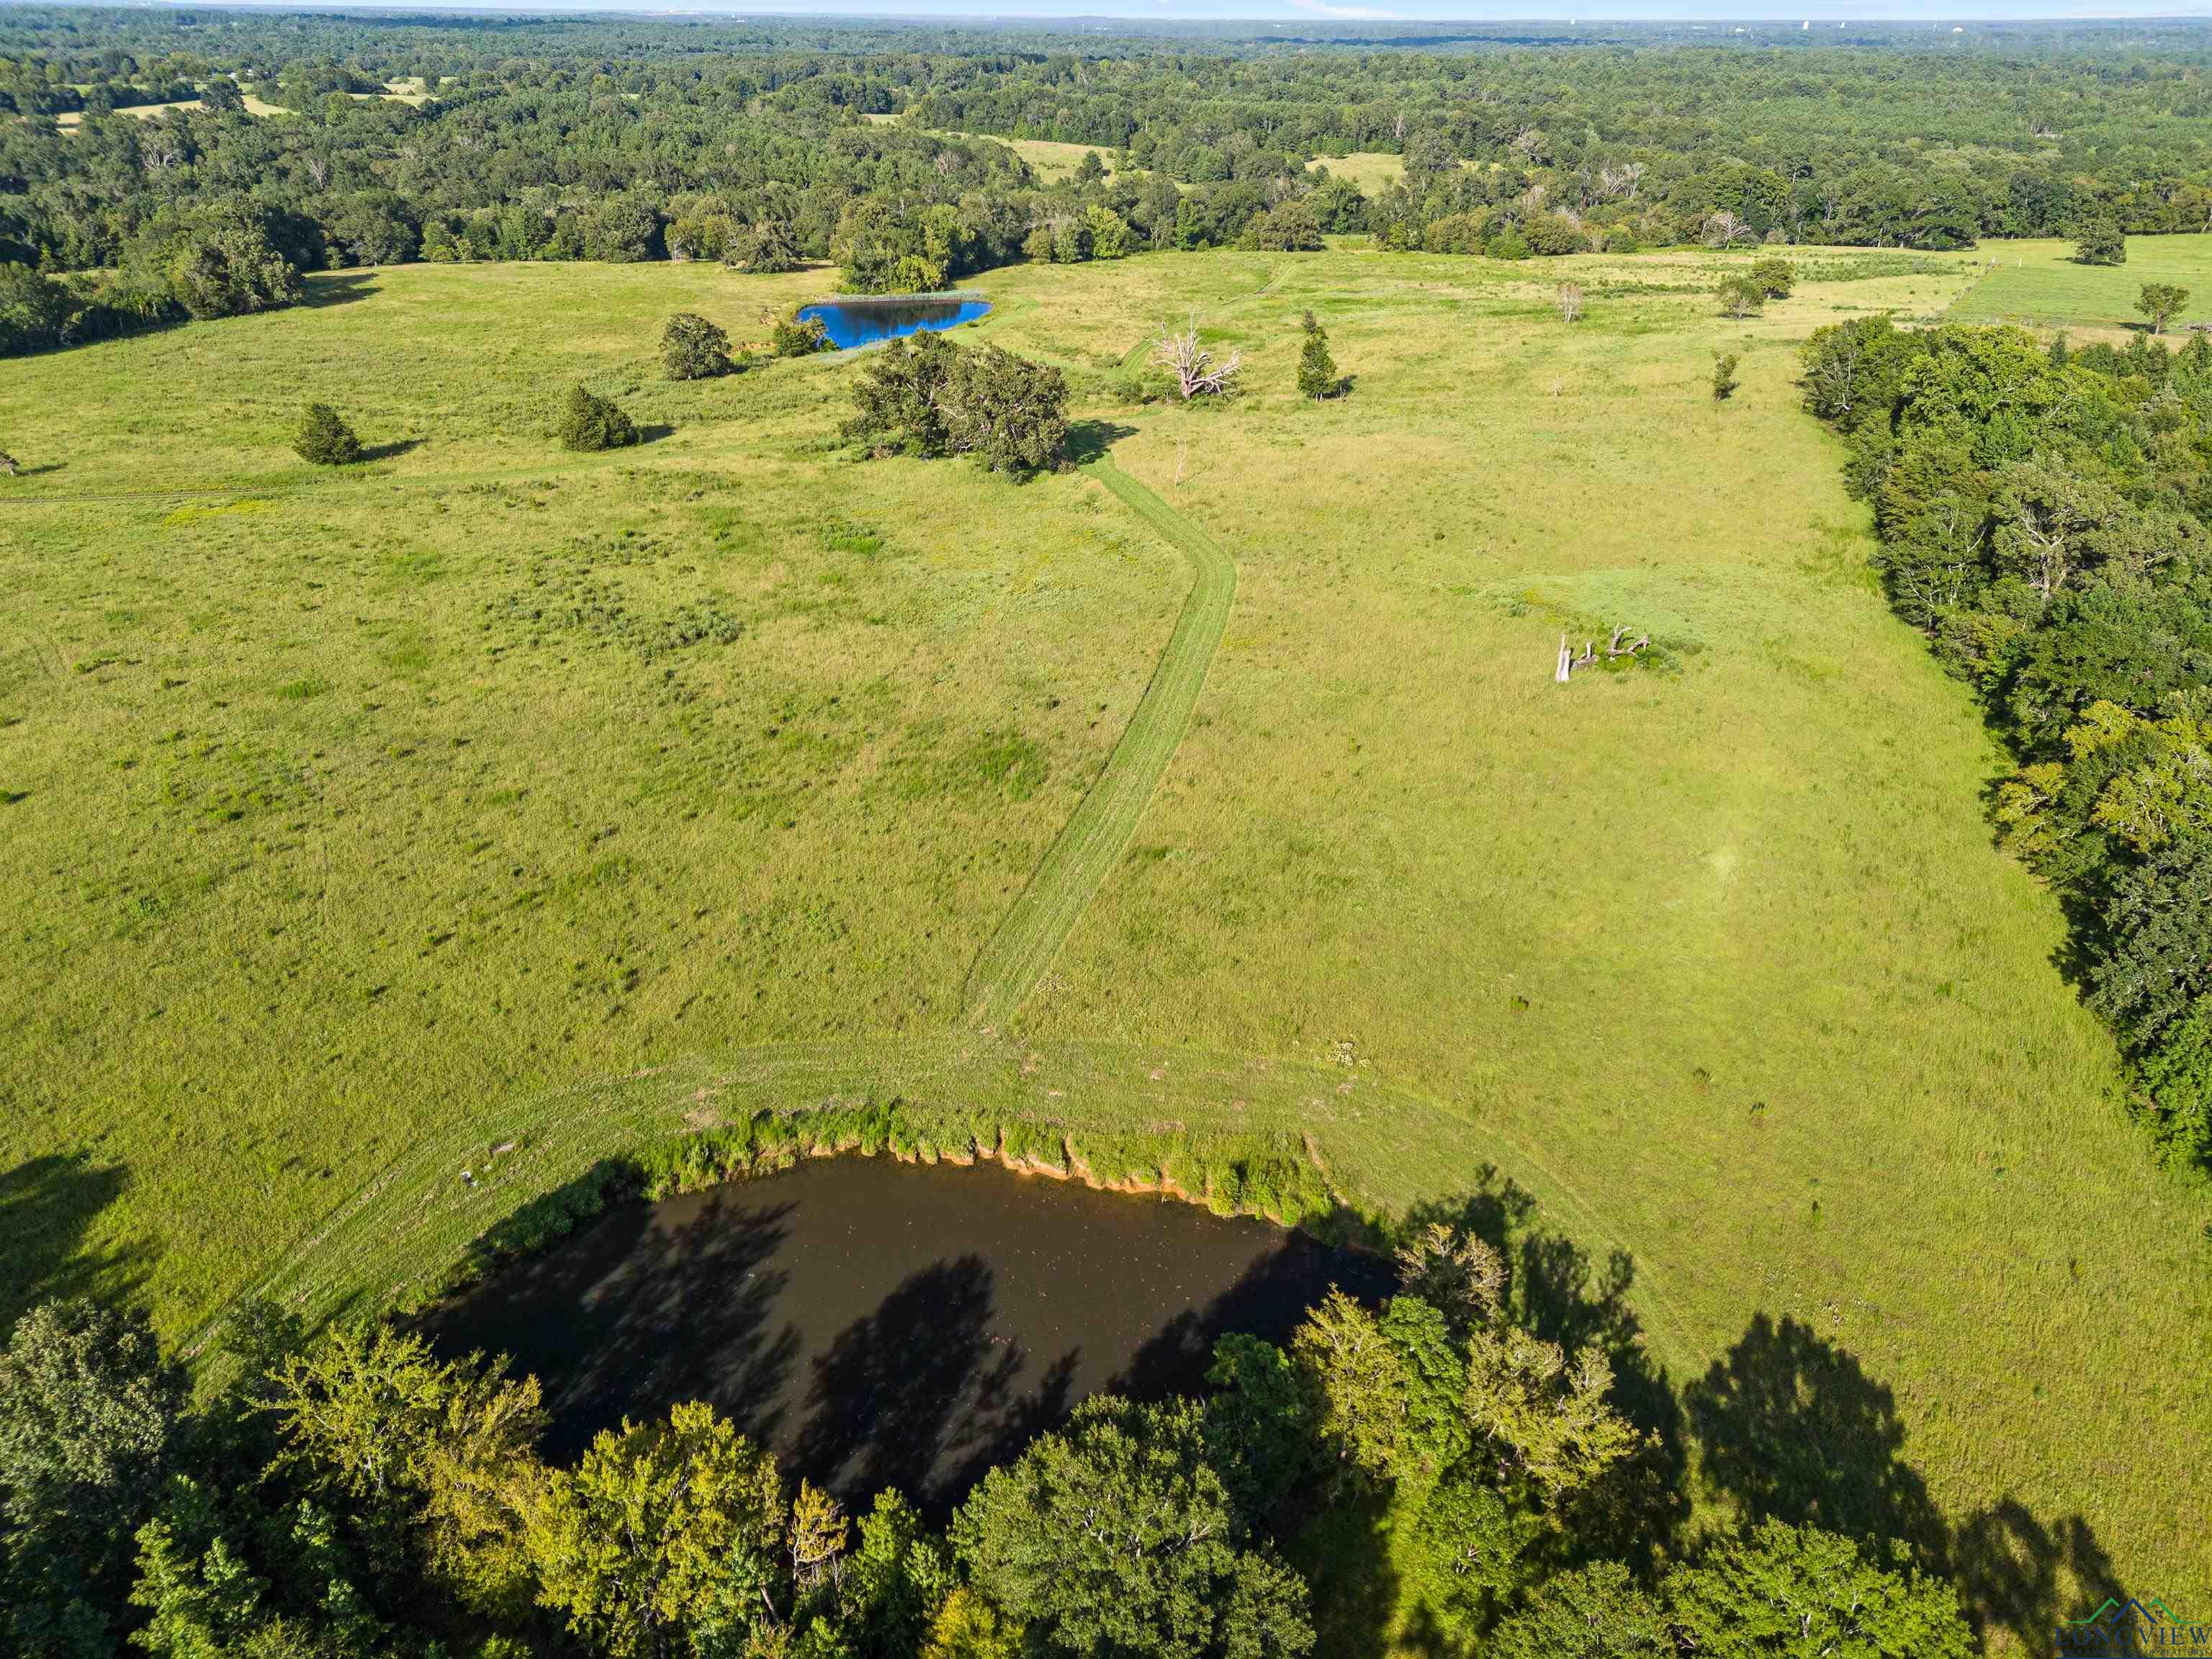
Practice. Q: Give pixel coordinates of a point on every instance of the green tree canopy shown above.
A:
(1116, 1539)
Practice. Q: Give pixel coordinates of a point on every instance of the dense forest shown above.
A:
(295, 143)
(2043, 513)
(1454, 1451)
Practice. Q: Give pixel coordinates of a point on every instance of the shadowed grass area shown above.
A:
(365, 822)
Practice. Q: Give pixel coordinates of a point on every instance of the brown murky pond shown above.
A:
(884, 1324)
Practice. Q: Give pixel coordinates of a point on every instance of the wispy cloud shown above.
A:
(1324, 9)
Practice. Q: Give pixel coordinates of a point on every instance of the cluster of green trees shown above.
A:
(2043, 516)
(222, 258)
(1558, 149)
(927, 396)
(624, 140)
(349, 1492)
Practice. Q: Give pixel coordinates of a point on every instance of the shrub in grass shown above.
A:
(799, 336)
(1724, 380)
(1742, 296)
(693, 348)
(589, 422)
(324, 438)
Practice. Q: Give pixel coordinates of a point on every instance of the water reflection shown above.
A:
(863, 322)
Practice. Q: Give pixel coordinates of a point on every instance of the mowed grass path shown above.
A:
(2038, 283)
(1099, 830)
(471, 830)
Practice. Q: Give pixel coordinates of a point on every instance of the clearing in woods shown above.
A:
(2040, 285)
(360, 822)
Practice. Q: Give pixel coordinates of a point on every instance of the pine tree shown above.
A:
(1316, 368)
(589, 422)
(324, 438)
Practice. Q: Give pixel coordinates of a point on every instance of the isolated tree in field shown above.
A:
(899, 398)
(693, 348)
(794, 336)
(1010, 414)
(324, 438)
(1724, 380)
(2100, 243)
(1316, 368)
(1198, 373)
(1742, 296)
(1776, 276)
(1570, 298)
(2161, 302)
(589, 422)
(927, 396)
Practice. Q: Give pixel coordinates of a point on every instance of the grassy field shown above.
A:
(394, 92)
(364, 822)
(1371, 170)
(1052, 162)
(2038, 283)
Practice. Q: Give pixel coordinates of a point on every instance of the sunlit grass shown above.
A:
(2039, 284)
(385, 815)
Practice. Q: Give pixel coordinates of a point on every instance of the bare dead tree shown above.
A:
(1197, 373)
(1569, 661)
(1723, 230)
(1571, 301)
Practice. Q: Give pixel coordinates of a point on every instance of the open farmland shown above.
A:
(2040, 285)
(491, 791)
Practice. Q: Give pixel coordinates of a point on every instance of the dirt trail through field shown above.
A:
(1015, 959)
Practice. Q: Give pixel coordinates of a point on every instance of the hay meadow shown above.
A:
(485, 795)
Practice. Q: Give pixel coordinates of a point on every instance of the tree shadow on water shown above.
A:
(47, 1206)
(634, 1315)
(923, 1394)
(1269, 1300)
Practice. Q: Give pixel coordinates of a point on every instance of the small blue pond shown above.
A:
(864, 322)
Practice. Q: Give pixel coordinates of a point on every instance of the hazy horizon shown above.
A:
(1958, 14)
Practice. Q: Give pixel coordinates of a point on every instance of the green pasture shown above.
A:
(487, 796)
(2038, 284)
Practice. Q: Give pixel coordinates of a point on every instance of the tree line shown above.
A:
(620, 140)
(349, 1492)
(2043, 512)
